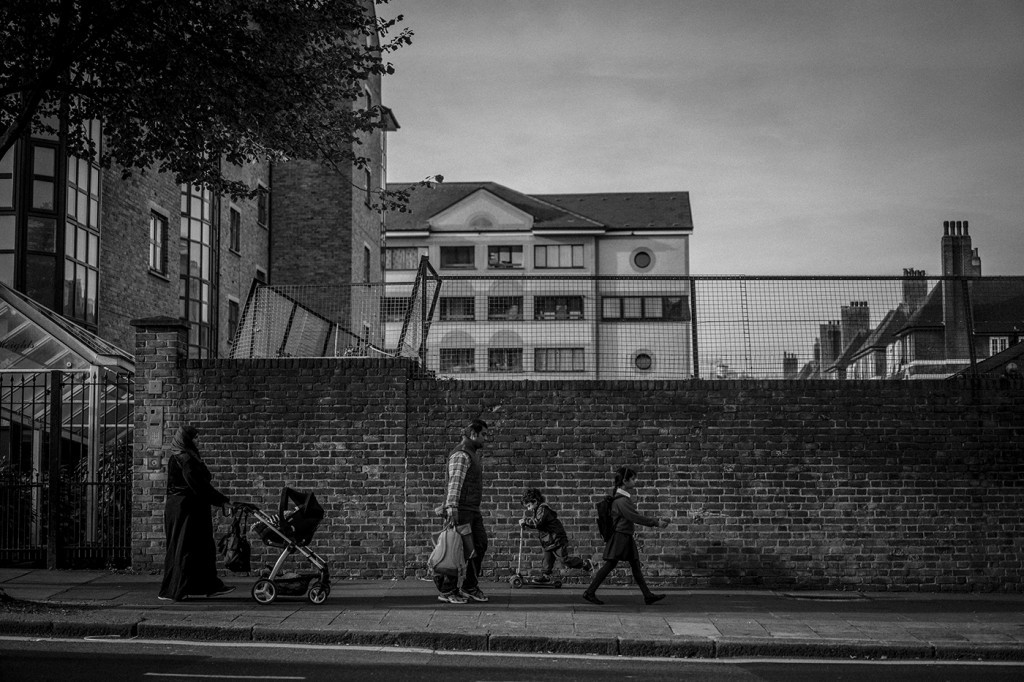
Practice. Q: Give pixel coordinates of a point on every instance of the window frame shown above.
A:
(997, 344)
(158, 246)
(447, 302)
(234, 230)
(540, 313)
(391, 251)
(505, 353)
(540, 263)
(466, 367)
(645, 304)
(470, 265)
(499, 249)
(494, 302)
(550, 353)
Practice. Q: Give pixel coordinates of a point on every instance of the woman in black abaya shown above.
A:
(190, 565)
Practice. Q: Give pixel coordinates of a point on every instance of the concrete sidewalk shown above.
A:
(688, 623)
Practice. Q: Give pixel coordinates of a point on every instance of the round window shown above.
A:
(643, 361)
(642, 259)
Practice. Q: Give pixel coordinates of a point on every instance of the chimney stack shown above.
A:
(958, 260)
(915, 289)
(855, 319)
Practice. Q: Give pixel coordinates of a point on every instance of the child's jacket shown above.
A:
(549, 529)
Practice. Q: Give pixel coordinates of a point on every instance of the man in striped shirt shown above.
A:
(462, 506)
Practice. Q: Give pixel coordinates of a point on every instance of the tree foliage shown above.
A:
(182, 84)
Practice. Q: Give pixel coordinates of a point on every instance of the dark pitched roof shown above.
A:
(882, 335)
(930, 312)
(997, 306)
(995, 364)
(637, 210)
(845, 358)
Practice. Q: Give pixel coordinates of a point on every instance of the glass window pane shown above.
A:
(94, 213)
(42, 194)
(540, 257)
(6, 232)
(83, 206)
(564, 256)
(42, 234)
(652, 307)
(80, 290)
(71, 204)
(81, 246)
(7, 162)
(6, 192)
(43, 161)
(69, 241)
(631, 307)
(610, 308)
(90, 304)
(94, 250)
(7, 269)
(83, 174)
(39, 278)
(577, 256)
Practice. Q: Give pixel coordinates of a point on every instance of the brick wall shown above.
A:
(857, 485)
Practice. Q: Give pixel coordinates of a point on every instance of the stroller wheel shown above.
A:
(264, 591)
(517, 581)
(558, 583)
(318, 593)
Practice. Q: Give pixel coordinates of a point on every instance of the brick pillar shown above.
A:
(161, 348)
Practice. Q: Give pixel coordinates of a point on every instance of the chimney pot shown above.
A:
(945, 227)
(965, 227)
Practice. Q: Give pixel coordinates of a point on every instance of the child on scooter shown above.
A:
(551, 532)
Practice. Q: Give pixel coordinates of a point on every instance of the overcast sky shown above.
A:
(814, 136)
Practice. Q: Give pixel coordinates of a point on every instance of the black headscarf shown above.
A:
(184, 439)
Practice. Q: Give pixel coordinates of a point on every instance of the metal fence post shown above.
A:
(693, 328)
(53, 469)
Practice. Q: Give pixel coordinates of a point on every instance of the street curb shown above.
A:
(817, 648)
(979, 652)
(29, 625)
(607, 646)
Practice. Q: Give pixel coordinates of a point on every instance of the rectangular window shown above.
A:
(458, 308)
(457, 360)
(394, 308)
(558, 360)
(7, 179)
(558, 256)
(997, 344)
(233, 314)
(504, 307)
(263, 207)
(366, 264)
(403, 257)
(261, 275)
(504, 359)
(558, 308)
(158, 243)
(505, 257)
(235, 230)
(654, 308)
(457, 257)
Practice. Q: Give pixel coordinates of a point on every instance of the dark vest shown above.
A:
(473, 485)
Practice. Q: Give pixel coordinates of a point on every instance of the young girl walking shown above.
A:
(622, 546)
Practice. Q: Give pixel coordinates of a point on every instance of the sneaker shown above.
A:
(164, 598)
(542, 579)
(475, 594)
(652, 598)
(227, 589)
(453, 597)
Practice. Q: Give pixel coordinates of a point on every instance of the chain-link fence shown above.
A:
(707, 327)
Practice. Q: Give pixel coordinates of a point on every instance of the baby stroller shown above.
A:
(291, 529)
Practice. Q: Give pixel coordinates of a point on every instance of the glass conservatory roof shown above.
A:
(33, 337)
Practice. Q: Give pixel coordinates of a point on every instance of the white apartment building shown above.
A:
(546, 286)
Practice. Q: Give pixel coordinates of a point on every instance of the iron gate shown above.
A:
(65, 468)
